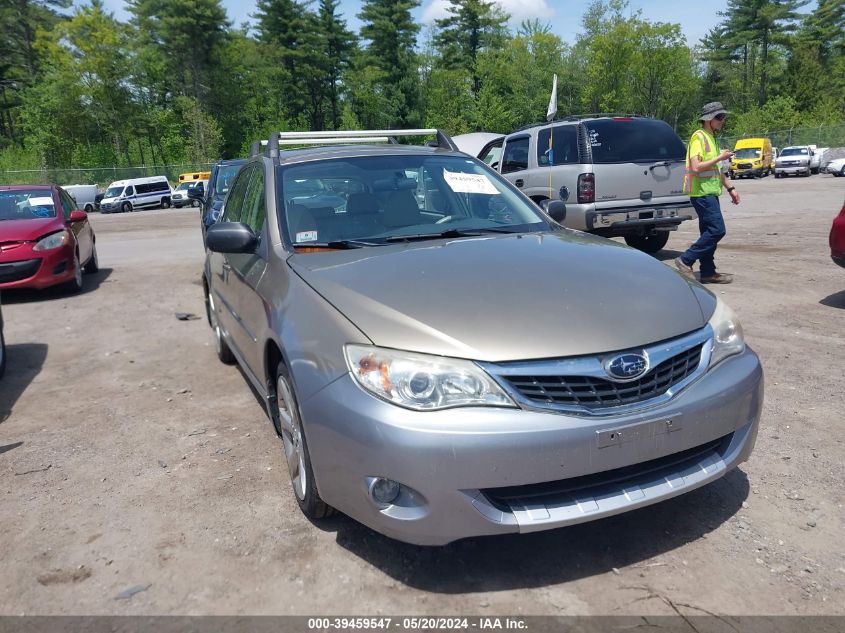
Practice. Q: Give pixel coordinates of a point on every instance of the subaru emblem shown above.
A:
(627, 366)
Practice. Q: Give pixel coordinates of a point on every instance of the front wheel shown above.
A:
(126, 207)
(289, 425)
(93, 264)
(224, 352)
(165, 203)
(75, 285)
(2, 354)
(648, 243)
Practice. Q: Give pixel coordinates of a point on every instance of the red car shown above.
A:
(44, 239)
(837, 238)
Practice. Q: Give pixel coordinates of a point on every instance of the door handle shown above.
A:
(519, 182)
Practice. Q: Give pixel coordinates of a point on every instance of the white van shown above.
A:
(85, 196)
(136, 193)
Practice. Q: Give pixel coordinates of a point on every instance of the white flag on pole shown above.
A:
(552, 111)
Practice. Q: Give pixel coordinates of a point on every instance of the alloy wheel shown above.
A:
(292, 437)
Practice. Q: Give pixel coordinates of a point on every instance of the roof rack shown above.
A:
(578, 117)
(341, 137)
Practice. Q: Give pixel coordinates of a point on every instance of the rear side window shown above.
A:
(515, 157)
(564, 147)
(627, 140)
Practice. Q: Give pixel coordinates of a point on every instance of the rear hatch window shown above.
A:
(631, 140)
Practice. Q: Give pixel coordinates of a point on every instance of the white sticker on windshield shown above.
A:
(469, 183)
(37, 202)
(306, 236)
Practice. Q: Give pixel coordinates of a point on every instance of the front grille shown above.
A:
(15, 271)
(744, 165)
(550, 492)
(596, 393)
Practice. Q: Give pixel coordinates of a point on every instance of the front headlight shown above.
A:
(52, 242)
(422, 382)
(727, 333)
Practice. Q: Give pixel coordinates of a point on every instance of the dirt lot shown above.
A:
(138, 475)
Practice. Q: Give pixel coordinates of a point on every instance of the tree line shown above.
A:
(179, 83)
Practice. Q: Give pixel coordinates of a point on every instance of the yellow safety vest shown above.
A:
(707, 182)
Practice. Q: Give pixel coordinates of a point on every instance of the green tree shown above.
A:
(337, 43)
(180, 42)
(81, 98)
(391, 34)
(20, 62)
(471, 27)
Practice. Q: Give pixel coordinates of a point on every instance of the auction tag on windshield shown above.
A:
(469, 183)
(306, 236)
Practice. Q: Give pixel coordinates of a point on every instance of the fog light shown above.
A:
(384, 490)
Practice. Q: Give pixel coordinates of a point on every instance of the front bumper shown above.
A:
(478, 471)
(793, 170)
(753, 172)
(37, 269)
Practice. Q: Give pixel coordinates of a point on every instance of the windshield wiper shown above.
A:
(338, 244)
(446, 234)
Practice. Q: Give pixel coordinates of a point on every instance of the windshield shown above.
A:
(225, 177)
(113, 192)
(23, 204)
(795, 151)
(388, 198)
(185, 185)
(747, 152)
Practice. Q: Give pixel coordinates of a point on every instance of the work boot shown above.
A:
(685, 269)
(718, 278)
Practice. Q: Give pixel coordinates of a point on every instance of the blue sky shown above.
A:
(564, 16)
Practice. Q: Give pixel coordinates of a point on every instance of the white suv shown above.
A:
(621, 176)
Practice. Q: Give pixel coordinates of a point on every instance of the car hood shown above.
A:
(500, 298)
(28, 230)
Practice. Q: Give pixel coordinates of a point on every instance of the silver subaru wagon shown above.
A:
(442, 359)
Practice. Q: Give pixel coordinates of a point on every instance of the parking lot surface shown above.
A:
(138, 475)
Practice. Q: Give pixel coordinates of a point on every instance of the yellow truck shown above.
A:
(753, 158)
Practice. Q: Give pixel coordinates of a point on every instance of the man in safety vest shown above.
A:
(703, 182)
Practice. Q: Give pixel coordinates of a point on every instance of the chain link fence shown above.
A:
(100, 176)
(822, 136)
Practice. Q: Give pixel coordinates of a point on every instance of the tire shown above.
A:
(126, 207)
(288, 424)
(650, 244)
(93, 264)
(89, 208)
(165, 203)
(2, 354)
(195, 203)
(224, 352)
(842, 171)
(74, 286)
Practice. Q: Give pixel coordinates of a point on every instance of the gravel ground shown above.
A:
(138, 475)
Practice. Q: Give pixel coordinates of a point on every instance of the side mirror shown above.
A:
(78, 216)
(556, 210)
(231, 237)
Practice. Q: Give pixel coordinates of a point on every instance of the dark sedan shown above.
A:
(44, 239)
